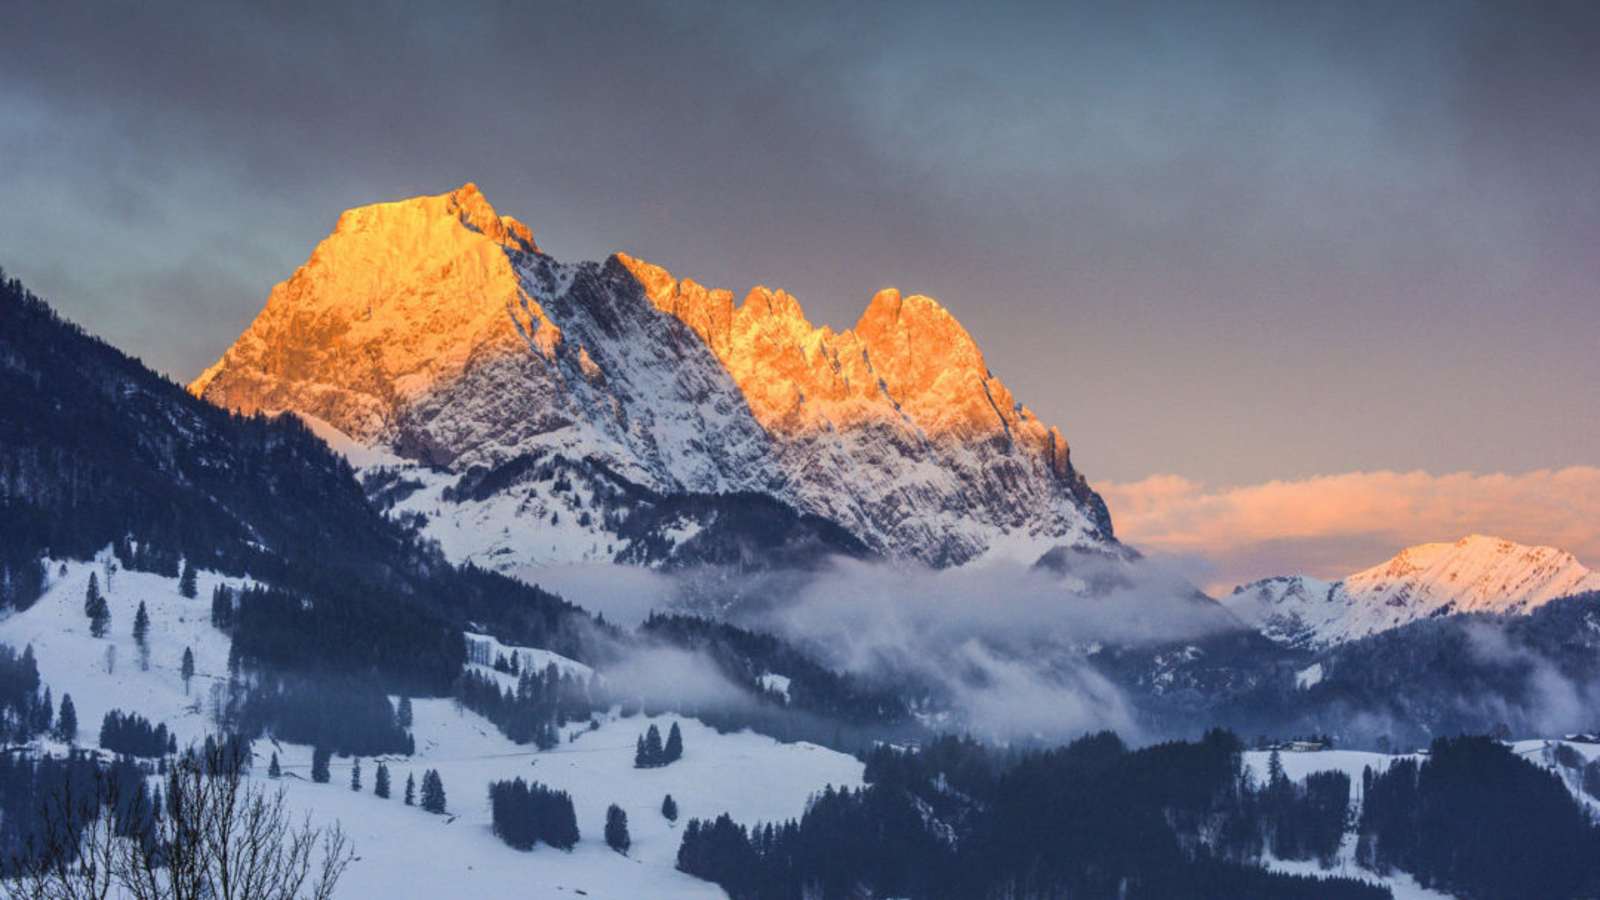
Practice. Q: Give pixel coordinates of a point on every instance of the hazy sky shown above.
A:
(1231, 242)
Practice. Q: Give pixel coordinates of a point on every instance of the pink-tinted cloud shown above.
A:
(1330, 526)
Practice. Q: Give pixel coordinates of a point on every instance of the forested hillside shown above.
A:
(96, 450)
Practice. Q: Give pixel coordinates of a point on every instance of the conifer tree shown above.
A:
(186, 581)
(1275, 768)
(617, 829)
(141, 636)
(222, 607)
(558, 820)
(355, 775)
(674, 749)
(273, 769)
(648, 752)
(100, 620)
(380, 782)
(141, 623)
(44, 712)
(404, 715)
(411, 790)
(319, 765)
(433, 799)
(187, 670)
(67, 721)
(669, 808)
(96, 608)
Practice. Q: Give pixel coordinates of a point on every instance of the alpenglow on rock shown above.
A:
(1477, 574)
(536, 400)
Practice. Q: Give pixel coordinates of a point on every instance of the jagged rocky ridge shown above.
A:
(1476, 574)
(436, 329)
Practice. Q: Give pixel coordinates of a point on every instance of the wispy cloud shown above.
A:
(1004, 647)
(1334, 525)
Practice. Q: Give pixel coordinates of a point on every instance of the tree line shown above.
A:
(1092, 819)
(1475, 820)
(525, 814)
(133, 735)
(540, 704)
(650, 753)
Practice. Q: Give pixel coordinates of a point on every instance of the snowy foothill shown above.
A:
(103, 674)
(1297, 765)
(402, 851)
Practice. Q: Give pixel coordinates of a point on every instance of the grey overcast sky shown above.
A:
(1233, 242)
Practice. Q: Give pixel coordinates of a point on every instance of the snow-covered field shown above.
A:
(1298, 765)
(402, 851)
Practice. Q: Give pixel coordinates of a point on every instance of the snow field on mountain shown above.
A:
(401, 851)
(484, 649)
(528, 523)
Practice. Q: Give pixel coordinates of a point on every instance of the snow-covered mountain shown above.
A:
(1476, 574)
(435, 329)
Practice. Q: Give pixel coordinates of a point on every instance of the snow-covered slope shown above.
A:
(403, 852)
(1476, 574)
(436, 328)
(1297, 766)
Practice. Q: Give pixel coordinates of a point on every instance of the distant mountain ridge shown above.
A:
(1476, 574)
(436, 328)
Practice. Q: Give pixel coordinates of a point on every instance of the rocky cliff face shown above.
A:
(1476, 574)
(436, 329)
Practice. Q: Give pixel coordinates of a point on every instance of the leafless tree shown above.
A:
(217, 836)
(73, 853)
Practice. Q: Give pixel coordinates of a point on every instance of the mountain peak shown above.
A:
(387, 304)
(1474, 574)
(466, 205)
(433, 327)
